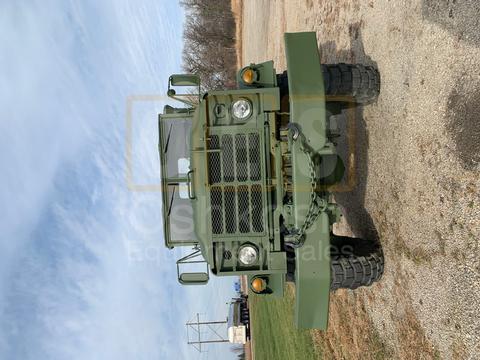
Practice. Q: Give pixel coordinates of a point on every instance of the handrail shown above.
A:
(189, 185)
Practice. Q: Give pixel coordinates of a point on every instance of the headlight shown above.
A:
(248, 255)
(242, 109)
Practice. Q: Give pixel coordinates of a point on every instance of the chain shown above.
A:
(314, 210)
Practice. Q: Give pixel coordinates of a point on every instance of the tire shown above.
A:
(358, 81)
(354, 263)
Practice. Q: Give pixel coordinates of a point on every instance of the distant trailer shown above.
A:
(238, 321)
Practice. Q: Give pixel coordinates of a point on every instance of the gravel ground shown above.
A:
(417, 153)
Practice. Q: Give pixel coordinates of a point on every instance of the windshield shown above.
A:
(174, 149)
(180, 216)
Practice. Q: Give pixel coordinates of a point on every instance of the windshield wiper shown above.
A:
(171, 201)
(168, 139)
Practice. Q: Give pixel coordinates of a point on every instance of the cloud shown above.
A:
(83, 271)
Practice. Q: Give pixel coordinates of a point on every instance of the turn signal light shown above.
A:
(258, 285)
(248, 76)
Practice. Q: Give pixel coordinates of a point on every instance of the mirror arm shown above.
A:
(189, 259)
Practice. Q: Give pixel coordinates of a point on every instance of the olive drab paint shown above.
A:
(258, 181)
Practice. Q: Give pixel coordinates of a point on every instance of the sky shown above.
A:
(83, 270)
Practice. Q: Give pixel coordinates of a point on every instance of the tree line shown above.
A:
(209, 42)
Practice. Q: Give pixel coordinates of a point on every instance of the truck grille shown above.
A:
(235, 184)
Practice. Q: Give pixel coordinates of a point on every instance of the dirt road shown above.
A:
(417, 156)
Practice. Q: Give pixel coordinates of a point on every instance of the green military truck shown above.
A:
(248, 174)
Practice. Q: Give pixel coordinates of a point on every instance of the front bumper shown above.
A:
(308, 117)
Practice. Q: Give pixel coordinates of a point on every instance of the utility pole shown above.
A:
(212, 336)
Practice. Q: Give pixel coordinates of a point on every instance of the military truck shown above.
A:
(247, 179)
(238, 321)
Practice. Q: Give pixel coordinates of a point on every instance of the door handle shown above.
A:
(191, 194)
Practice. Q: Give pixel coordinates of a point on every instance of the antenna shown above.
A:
(196, 337)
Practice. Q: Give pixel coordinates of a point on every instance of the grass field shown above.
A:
(351, 334)
(274, 333)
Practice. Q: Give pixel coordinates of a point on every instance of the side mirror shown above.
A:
(190, 97)
(193, 278)
(184, 80)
